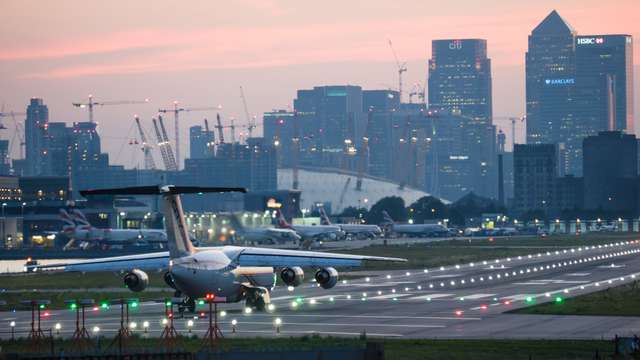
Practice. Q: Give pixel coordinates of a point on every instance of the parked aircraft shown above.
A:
(312, 232)
(354, 230)
(84, 235)
(422, 230)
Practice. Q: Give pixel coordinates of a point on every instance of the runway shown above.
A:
(459, 301)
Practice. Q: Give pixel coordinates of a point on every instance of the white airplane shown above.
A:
(264, 235)
(358, 230)
(312, 232)
(79, 230)
(423, 230)
(226, 273)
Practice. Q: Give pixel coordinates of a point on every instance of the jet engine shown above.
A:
(327, 277)
(136, 280)
(292, 276)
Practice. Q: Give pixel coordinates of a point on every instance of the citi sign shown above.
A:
(591, 41)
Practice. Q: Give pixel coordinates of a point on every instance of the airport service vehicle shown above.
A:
(360, 231)
(414, 230)
(312, 232)
(226, 273)
(79, 230)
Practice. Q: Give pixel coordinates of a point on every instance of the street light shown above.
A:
(234, 322)
(277, 322)
(190, 325)
(145, 325)
(58, 327)
(13, 328)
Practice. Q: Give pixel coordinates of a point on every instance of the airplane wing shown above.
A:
(149, 261)
(283, 258)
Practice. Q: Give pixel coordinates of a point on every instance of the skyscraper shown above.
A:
(576, 87)
(334, 115)
(460, 84)
(604, 77)
(550, 77)
(35, 125)
(201, 142)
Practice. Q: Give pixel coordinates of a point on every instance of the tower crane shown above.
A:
(90, 104)
(149, 163)
(402, 67)
(251, 121)
(176, 127)
(419, 91)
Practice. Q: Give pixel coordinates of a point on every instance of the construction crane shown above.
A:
(362, 160)
(176, 127)
(251, 121)
(513, 120)
(167, 143)
(19, 130)
(402, 67)
(403, 161)
(165, 146)
(220, 128)
(343, 193)
(296, 151)
(212, 142)
(90, 104)
(149, 163)
(163, 150)
(419, 91)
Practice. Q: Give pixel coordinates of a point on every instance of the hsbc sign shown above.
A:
(591, 41)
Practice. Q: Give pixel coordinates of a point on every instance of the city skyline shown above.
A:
(63, 65)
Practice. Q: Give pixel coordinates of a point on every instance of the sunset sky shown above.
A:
(200, 52)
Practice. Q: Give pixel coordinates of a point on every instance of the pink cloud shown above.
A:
(278, 45)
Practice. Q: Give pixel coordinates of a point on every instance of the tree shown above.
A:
(353, 212)
(393, 205)
(427, 208)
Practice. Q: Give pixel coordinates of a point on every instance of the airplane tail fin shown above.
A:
(69, 225)
(387, 218)
(178, 240)
(324, 219)
(282, 222)
(80, 219)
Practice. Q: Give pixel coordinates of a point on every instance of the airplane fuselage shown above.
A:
(212, 272)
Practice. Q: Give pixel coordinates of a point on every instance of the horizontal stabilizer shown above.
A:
(161, 190)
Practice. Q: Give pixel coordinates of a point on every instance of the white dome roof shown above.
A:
(326, 186)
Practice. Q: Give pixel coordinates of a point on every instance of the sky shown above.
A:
(200, 52)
